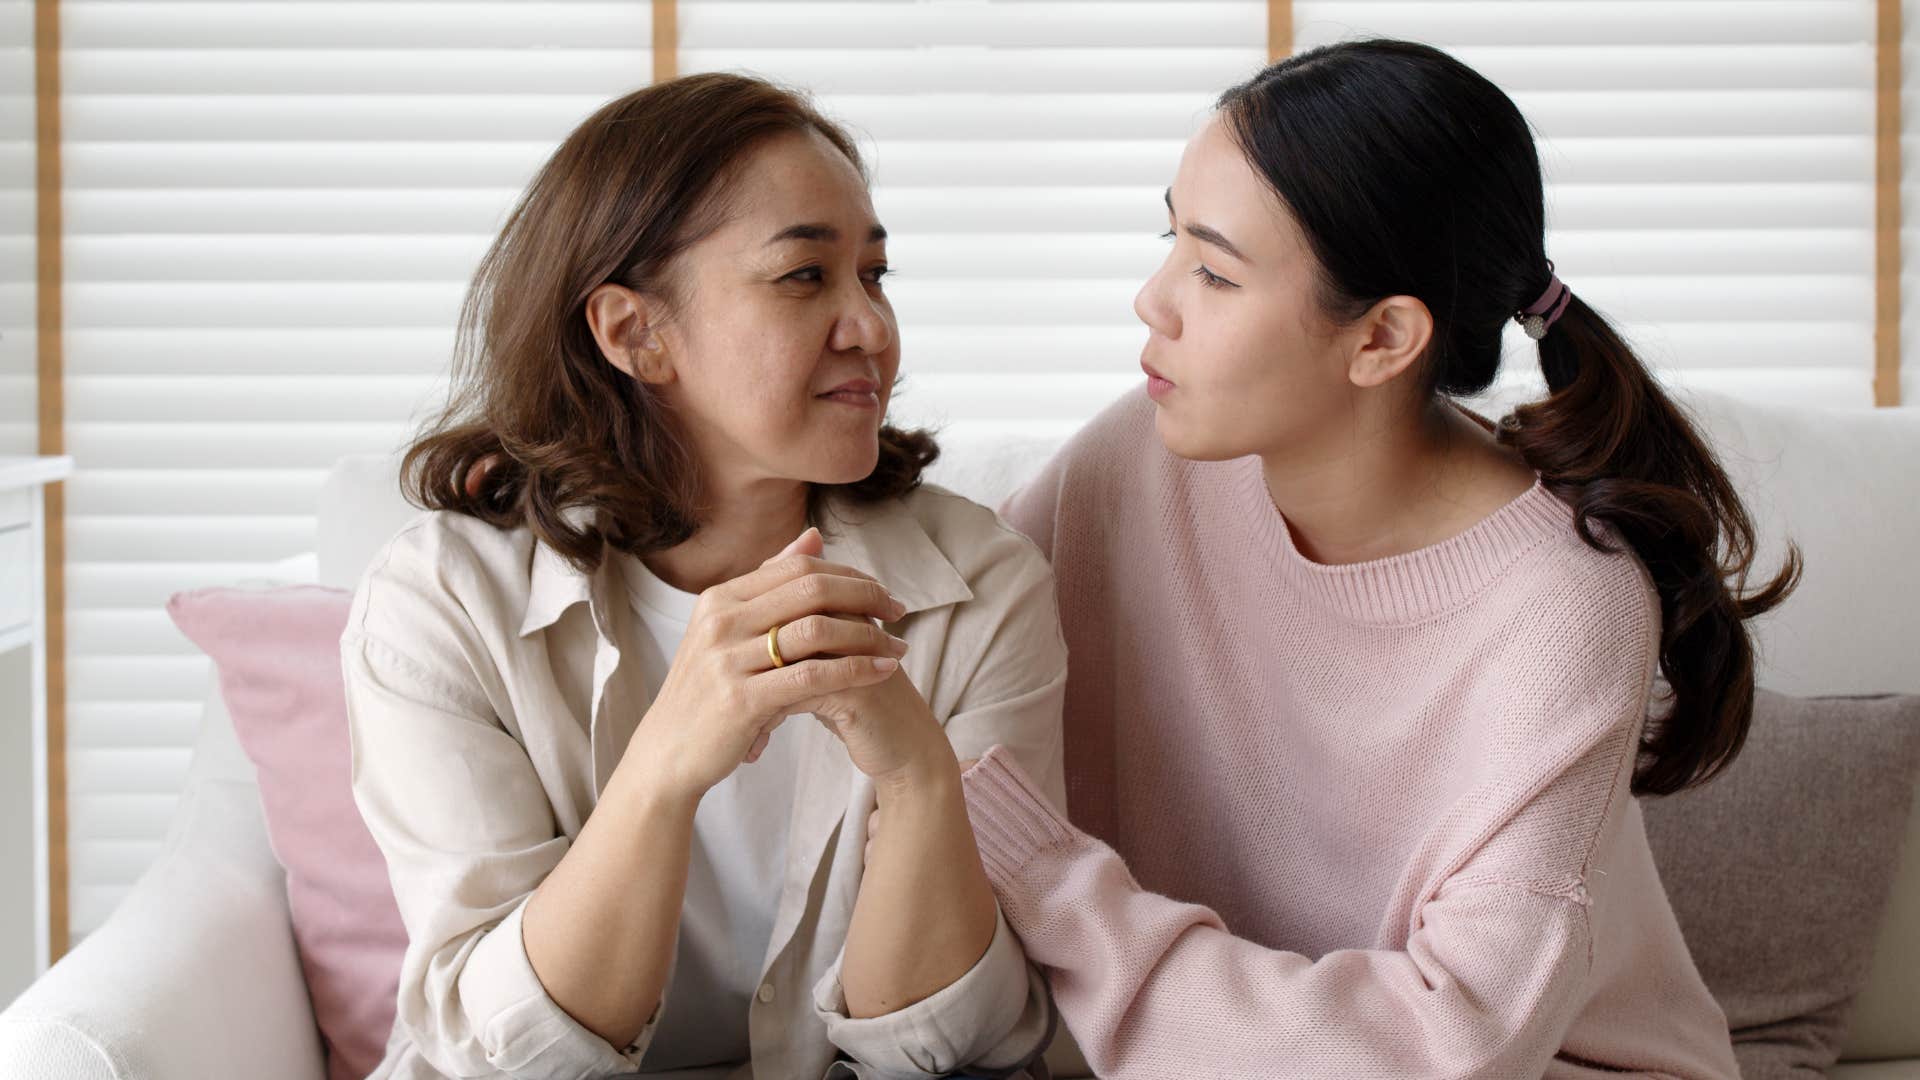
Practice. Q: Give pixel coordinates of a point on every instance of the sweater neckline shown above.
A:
(1412, 585)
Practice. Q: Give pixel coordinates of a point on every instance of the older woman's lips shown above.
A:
(860, 395)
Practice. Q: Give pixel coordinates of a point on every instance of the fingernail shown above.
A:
(885, 663)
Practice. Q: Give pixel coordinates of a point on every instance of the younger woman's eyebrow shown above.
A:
(822, 232)
(1207, 235)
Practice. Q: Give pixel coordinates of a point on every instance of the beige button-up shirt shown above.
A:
(482, 739)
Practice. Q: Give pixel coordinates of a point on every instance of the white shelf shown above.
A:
(22, 471)
(25, 900)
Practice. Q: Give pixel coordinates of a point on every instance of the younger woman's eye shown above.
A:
(1212, 280)
(1168, 235)
(879, 272)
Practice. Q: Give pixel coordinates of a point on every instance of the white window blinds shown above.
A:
(1709, 167)
(19, 429)
(272, 210)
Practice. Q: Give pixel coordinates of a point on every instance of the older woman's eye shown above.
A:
(809, 274)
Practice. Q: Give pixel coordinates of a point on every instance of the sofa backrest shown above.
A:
(1841, 483)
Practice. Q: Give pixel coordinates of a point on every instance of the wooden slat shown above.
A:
(53, 440)
(1279, 29)
(666, 39)
(1886, 208)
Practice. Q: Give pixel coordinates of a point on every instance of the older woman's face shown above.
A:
(783, 346)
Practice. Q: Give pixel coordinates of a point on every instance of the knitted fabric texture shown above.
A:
(1356, 820)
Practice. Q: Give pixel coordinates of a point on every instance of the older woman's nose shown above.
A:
(862, 325)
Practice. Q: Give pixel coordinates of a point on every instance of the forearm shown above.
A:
(925, 913)
(601, 928)
(1153, 986)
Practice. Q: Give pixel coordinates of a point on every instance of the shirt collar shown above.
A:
(885, 540)
(554, 585)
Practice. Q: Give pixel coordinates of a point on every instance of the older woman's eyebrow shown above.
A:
(822, 232)
(1207, 235)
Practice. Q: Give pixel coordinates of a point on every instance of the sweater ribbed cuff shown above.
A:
(1012, 819)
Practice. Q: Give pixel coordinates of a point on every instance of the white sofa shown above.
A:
(194, 977)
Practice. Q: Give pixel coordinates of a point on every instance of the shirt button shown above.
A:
(766, 993)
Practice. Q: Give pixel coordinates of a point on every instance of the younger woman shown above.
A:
(1357, 708)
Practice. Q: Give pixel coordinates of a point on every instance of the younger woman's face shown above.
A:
(1246, 363)
(783, 347)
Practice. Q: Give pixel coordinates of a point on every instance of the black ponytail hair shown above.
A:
(1410, 174)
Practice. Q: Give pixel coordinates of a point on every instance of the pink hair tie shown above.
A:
(1542, 313)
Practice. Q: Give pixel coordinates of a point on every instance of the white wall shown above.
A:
(18, 430)
(18, 435)
(1909, 202)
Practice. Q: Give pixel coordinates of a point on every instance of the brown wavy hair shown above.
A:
(1412, 175)
(537, 421)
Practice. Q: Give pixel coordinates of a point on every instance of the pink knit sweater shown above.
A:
(1369, 820)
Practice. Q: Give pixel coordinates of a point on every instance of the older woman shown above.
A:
(567, 679)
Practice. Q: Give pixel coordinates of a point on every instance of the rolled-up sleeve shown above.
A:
(455, 805)
(985, 1019)
(999, 1014)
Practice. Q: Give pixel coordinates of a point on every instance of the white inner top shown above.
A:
(734, 875)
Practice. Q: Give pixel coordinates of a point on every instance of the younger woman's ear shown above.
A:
(1393, 334)
(619, 320)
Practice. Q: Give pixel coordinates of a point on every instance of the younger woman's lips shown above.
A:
(1158, 385)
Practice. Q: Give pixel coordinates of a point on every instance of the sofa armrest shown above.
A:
(1884, 1023)
(193, 976)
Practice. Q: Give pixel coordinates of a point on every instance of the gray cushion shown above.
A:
(1877, 1070)
(1885, 1020)
(1779, 869)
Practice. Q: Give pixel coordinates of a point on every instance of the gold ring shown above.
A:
(773, 645)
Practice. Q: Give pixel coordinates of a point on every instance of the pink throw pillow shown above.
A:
(277, 652)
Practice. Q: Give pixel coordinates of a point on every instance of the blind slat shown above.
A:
(1588, 24)
(393, 25)
(1013, 300)
(448, 259)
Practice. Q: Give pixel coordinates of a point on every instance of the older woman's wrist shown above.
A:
(934, 774)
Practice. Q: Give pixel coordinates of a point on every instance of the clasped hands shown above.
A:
(797, 635)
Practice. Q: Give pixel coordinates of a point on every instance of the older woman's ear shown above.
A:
(619, 320)
(477, 475)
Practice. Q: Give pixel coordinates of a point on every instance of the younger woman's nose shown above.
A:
(1155, 308)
